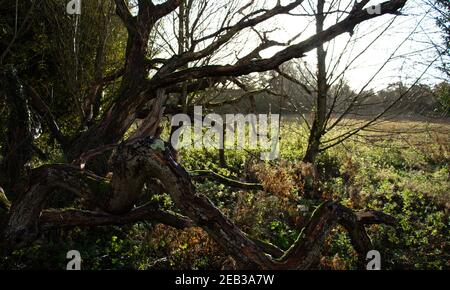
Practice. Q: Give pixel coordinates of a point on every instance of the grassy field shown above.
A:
(399, 167)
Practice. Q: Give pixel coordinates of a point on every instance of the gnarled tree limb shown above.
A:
(153, 158)
(52, 219)
(139, 160)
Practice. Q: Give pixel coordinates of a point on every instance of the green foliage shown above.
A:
(442, 92)
(282, 235)
(405, 177)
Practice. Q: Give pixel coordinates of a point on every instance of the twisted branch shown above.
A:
(139, 160)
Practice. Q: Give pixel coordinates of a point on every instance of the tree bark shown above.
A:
(18, 150)
(318, 125)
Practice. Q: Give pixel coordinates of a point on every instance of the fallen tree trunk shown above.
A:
(140, 160)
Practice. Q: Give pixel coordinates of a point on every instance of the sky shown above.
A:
(405, 43)
(403, 40)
